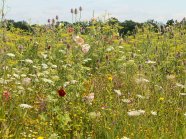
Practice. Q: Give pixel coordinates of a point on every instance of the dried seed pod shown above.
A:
(49, 21)
(76, 11)
(72, 11)
(80, 8)
(57, 17)
(53, 21)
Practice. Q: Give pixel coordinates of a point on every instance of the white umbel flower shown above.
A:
(180, 85)
(89, 98)
(125, 138)
(26, 81)
(150, 62)
(25, 106)
(10, 55)
(47, 81)
(44, 66)
(142, 80)
(66, 84)
(126, 101)
(135, 112)
(118, 92)
(140, 96)
(29, 61)
(154, 113)
(183, 94)
(73, 81)
(54, 66)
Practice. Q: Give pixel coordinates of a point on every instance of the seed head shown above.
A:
(80, 8)
(57, 17)
(72, 11)
(49, 21)
(53, 21)
(76, 11)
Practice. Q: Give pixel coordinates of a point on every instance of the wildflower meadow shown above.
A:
(86, 80)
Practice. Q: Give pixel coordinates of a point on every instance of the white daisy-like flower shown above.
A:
(136, 113)
(66, 84)
(85, 48)
(159, 87)
(46, 72)
(126, 101)
(118, 92)
(47, 80)
(5, 68)
(73, 81)
(185, 114)
(54, 66)
(109, 49)
(16, 76)
(20, 88)
(170, 77)
(25, 106)
(44, 55)
(140, 96)
(180, 85)
(29, 61)
(120, 47)
(124, 137)
(89, 98)
(150, 62)
(44, 66)
(10, 55)
(23, 75)
(142, 80)
(55, 78)
(141, 111)
(3, 81)
(154, 113)
(26, 81)
(183, 94)
(35, 67)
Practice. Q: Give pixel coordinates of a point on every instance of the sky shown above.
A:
(39, 11)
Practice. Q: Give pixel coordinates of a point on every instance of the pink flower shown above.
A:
(85, 48)
(6, 95)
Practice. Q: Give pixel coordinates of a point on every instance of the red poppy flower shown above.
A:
(61, 92)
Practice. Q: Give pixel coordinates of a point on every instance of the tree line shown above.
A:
(128, 27)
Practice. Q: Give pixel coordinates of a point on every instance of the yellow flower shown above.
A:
(110, 78)
(40, 137)
(161, 98)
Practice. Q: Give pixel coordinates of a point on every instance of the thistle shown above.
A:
(75, 11)
(49, 21)
(80, 9)
(72, 12)
(57, 17)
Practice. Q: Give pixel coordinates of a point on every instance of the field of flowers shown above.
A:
(63, 82)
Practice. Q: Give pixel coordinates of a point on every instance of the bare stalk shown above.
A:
(3, 19)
